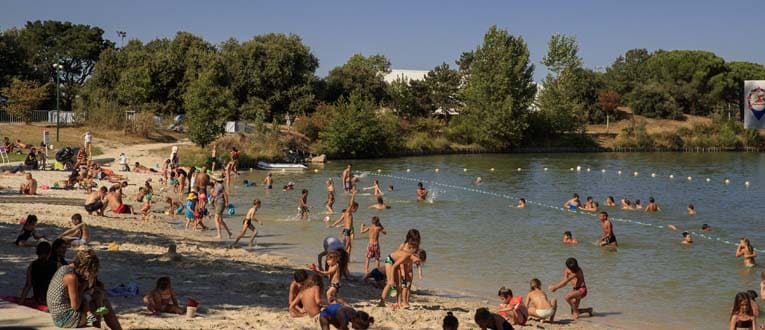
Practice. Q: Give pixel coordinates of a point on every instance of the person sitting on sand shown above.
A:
(39, 274)
(512, 307)
(568, 238)
(380, 205)
(162, 299)
(247, 223)
(138, 168)
(746, 251)
(29, 230)
(521, 203)
(29, 187)
(58, 252)
(687, 239)
(114, 200)
(31, 160)
(573, 203)
(307, 299)
(422, 193)
(574, 274)
(73, 294)
(17, 170)
(376, 278)
(343, 317)
(174, 206)
(450, 322)
(488, 320)
(537, 303)
(298, 278)
(691, 209)
(652, 206)
(78, 234)
(742, 314)
(95, 202)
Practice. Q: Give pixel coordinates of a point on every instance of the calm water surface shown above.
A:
(478, 241)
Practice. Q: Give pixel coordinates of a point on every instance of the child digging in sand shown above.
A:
(162, 299)
(334, 260)
(575, 275)
(247, 223)
(307, 299)
(537, 303)
(373, 248)
(28, 230)
(512, 307)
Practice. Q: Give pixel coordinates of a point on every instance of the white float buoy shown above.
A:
(727, 181)
(588, 169)
(690, 178)
(619, 172)
(708, 179)
(746, 183)
(545, 169)
(464, 170)
(491, 169)
(635, 174)
(571, 169)
(578, 168)
(436, 170)
(653, 175)
(408, 170)
(671, 176)
(603, 170)
(519, 169)
(316, 170)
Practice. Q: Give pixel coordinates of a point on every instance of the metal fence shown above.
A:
(39, 116)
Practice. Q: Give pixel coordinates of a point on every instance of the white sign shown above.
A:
(754, 104)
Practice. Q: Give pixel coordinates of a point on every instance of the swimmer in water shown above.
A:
(687, 239)
(568, 238)
(608, 238)
(591, 207)
(478, 180)
(588, 203)
(637, 205)
(422, 193)
(652, 206)
(691, 209)
(746, 250)
(376, 187)
(380, 205)
(610, 201)
(390, 188)
(573, 203)
(521, 203)
(626, 204)
(706, 228)
(673, 227)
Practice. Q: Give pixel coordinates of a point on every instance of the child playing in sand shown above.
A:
(28, 230)
(78, 234)
(162, 299)
(303, 205)
(146, 208)
(333, 273)
(450, 322)
(174, 206)
(344, 317)
(404, 254)
(191, 204)
(488, 320)
(308, 299)
(422, 193)
(537, 303)
(568, 238)
(298, 278)
(330, 196)
(512, 307)
(247, 223)
(376, 278)
(347, 218)
(373, 248)
(575, 275)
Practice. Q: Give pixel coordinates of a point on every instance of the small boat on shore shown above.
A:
(281, 166)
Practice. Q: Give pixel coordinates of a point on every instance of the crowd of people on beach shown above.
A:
(75, 296)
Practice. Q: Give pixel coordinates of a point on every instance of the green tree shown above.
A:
(654, 101)
(208, 103)
(75, 46)
(562, 53)
(12, 58)
(499, 91)
(443, 85)
(628, 72)
(354, 129)
(727, 88)
(23, 97)
(361, 74)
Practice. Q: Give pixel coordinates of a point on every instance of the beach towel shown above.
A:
(29, 303)
(122, 290)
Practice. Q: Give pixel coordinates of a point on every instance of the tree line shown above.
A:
(353, 112)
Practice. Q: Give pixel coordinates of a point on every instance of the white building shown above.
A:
(405, 75)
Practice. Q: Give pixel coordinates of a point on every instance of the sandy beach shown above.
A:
(237, 288)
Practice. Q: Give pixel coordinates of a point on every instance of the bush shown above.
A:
(653, 101)
(144, 123)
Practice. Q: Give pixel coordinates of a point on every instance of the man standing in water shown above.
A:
(422, 193)
(608, 238)
(347, 180)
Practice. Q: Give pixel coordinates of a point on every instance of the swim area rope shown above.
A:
(553, 207)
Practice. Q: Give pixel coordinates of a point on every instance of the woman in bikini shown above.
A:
(746, 250)
(575, 275)
(741, 316)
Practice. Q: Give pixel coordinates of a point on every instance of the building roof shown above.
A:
(405, 75)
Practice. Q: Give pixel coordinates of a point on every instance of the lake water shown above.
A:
(478, 241)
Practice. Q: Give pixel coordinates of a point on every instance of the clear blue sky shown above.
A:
(422, 34)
